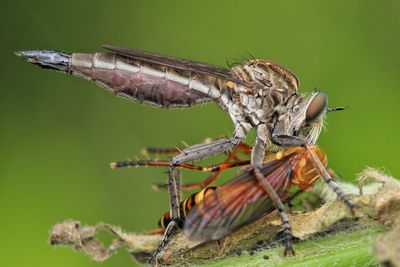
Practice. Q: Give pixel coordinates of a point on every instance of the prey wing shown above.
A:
(238, 202)
(177, 63)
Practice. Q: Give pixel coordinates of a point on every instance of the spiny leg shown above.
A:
(160, 150)
(156, 163)
(174, 193)
(135, 163)
(287, 229)
(169, 231)
(190, 154)
(241, 147)
(175, 199)
(201, 151)
(258, 151)
(218, 169)
(166, 163)
(329, 180)
(215, 169)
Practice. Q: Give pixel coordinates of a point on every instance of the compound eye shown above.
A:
(316, 107)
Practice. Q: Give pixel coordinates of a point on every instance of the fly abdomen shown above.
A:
(146, 83)
(47, 59)
(149, 84)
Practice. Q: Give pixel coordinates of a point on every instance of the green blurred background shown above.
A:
(59, 133)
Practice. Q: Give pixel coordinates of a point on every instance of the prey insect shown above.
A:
(257, 94)
(215, 212)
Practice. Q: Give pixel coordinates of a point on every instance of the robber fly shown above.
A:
(215, 212)
(256, 94)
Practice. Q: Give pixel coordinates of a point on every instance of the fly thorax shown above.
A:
(273, 85)
(267, 75)
(233, 107)
(251, 103)
(252, 107)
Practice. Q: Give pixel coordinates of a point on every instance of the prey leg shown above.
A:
(287, 229)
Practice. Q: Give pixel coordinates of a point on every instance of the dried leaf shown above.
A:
(387, 207)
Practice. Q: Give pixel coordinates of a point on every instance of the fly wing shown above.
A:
(237, 203)
(177, 63)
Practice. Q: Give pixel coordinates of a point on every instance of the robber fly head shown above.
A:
(306, 117)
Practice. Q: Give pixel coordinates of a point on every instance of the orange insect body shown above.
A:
(284, 169)
(305, 172)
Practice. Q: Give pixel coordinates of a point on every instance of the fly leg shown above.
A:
(192, 153)
(287, 229)
(262, 142)
(257, 158)
(159, 150)
(216, 170)
(201, 151)
(159, 163)
(232, 155)
(241, 147)
(166, 163)
(329, 180)
(287, 140)
(175, 199)
(169, 231)
(219, 168)
(281, 138)
(136, 163)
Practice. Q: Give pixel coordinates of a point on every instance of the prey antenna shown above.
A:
(329, 180)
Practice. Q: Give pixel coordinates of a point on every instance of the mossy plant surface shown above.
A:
(348, 248)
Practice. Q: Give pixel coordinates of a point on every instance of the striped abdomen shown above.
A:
(147, 83)
(154, 85)
(186, 206)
